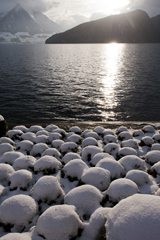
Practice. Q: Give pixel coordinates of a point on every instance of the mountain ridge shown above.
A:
(132, 27)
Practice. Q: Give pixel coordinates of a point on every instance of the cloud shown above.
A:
(39, 5)
(152, 7)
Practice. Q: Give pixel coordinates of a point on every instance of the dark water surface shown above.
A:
(98, 82)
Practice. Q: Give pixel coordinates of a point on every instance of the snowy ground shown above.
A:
(91, 184)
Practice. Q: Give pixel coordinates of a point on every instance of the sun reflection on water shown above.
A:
(110, 78)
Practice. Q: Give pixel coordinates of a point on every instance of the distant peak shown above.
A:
(18, 7)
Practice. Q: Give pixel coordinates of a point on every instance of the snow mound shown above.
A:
(70, 156)
(47, 165)
(95, 229)
(121, 188)
(109, 139)
(132, 162)
(125, 135)
(75, 129)
(59, 222)
(47, 189)
(41, 139)
(68, 147)
(7, 140)
(121, 129)
(54, 136)
(97, 157)
(146, 141)
(148, 129)
(5, 171)
(112, 149)
(125, 151)
(5, 147)
(24, 146)
(38, 149)
(51, 127)
(21, 127)
(89, 141)
(24, 162)
(16, 236)
(138, 176)
(98, 177)
(115, 168)
(138, 134)
(74, 138)
(21, 179)
(74, 169)
(42, 132)
(130, 143)
(14, 134)
(18, 210)
(35, 128)
(155, 146)
(57, 144)
(136, 217)
(29, 136)
(99, 130)
(52, 152)
(85, 198)
(91, 134)
(89, 152)
(152, 157)
(10, 157)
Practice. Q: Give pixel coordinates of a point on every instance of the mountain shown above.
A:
(20, 20)
(132, 27)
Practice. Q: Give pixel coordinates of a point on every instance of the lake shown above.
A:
(97, 82)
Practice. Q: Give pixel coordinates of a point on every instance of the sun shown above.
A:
(112, 6)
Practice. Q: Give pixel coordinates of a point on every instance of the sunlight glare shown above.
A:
(112, 6)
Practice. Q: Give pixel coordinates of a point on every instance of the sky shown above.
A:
(69, 13)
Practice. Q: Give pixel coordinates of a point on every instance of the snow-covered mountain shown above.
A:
(19, 19)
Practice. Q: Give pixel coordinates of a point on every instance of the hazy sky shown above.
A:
(73, 12)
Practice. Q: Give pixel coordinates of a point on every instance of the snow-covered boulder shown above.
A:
(68, 147)
(18, 211)
(138, 176)
(130, 143)
(109, 139)
(74, 138)
(5, 147)
(35, 128)
(121, 129)
(10, 157)
(59, 222)
(54, 136)
(5, 171)
(85, 198)
(74, 169)
(108, 131)
(14, 134)
(21, 127)
(112, 149)
(136, 217)
(21, 179)
(121, 188)
(152, 157)
(24, 162)
(42, 132)
(114, 167)
(155, 146)
(75, 129)
(138, 134)
(16, 236)
(91, 134)
(98, 177)
(7, 140)
(42, 139)
(125, 151)
(125, 135)
(51, 127)
(156, 138)
(69, 157)
(57, 144)
(146, 141)
(38, 149)
(95, 229)
(89, 152)
(149, 129)
(89, 141)
(29, 136)
(47, 189)
(52, 152)
(132, 162)
(97, 157)
(24, 146)
(48, 165)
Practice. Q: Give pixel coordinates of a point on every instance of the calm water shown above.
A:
(41, 83)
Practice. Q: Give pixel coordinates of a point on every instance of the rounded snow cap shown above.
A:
(136, 217)
(3, 126)
(59, 222)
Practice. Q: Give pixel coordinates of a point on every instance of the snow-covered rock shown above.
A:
(16, 236)
(146, 141)
(41, 139)
(136, 217)
(5, 147)
(52, 152)
(24, 162)
(10, 157)
(97, 157)
(20, 179)
(121, 129)
(21, 127)
(24, 146)
(42, 132)
(121, 188)
(14, 134)
(112, 149)
(109, 139)
(148, 129)
(125, 135)
(99, 130)
(114, 167)
(5, 171)
(57, 144)
(138, 176)
(125, 151)
(7, 140)
(74, 169)
(74, 138)
(29, 136)
(51, 127)
(75, 129)
(130, 143)
(35, 128)
(38, 149)
(18, 210)
(54, 136)
(132, 162)
(68, 147)
(155, 146)
(152, 157)
(70, 156)
(98, 177)
(89, 141)
(85, 198)
(47, 189)
(138, 134)
(89, 152)
(59, 222)
(47, 164)
(91, 134)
